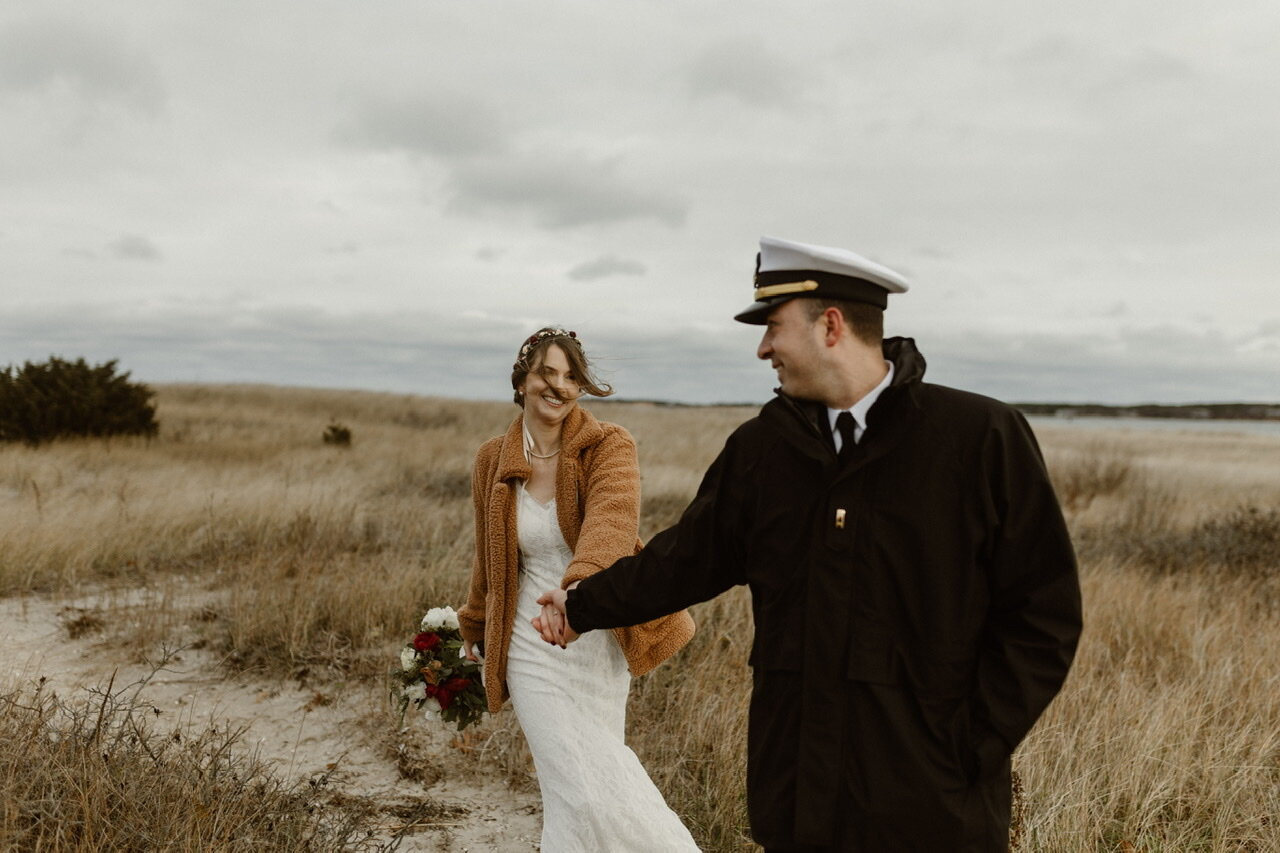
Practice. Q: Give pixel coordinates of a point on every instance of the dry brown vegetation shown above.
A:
(240, 529)
(100, 775)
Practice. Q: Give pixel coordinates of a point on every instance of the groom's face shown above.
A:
(792, 343)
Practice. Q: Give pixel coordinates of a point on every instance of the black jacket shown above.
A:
(916, 608)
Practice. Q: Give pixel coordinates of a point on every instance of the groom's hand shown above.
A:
(553, 623)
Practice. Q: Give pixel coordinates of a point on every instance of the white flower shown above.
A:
(408, 659)
(431, 709)
(416, 691)
(440, 617)
(434, 620)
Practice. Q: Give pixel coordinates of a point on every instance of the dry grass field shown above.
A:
(239, 532)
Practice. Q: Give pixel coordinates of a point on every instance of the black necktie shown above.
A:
(845, 424)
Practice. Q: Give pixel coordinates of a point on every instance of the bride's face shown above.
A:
(551, 389)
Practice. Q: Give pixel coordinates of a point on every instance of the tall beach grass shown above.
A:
(288, 554)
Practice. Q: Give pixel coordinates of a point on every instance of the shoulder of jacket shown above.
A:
(615, 433)
(956, 398)
(966, 409)
(750, 442)
(491, 447)
(752, 429)
(487, 454)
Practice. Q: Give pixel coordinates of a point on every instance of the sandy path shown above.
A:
(303, 732)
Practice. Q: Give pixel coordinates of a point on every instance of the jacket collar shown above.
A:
(908, 363)
(811, 437)
(581, 429)
(908, 369)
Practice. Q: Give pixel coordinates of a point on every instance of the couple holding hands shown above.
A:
(914, 589)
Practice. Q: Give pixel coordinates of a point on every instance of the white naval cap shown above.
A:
(786, 270)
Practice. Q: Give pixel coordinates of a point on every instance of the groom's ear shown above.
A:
(833, 326)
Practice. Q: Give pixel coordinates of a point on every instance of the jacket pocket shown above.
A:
(932, 670)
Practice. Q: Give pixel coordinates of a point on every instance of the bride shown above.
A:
(557, 498)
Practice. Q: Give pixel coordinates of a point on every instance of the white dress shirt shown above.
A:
(859, 411)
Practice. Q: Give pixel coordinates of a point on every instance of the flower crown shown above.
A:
(522, 360)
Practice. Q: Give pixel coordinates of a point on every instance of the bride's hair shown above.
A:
(533, 352)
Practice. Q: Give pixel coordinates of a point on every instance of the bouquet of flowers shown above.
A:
(435, 676)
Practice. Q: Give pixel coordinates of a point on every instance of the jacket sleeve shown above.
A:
(471, 617)
(699, 557)
(611, 507)
(1034, 621)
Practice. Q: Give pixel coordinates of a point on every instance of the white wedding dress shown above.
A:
(571, 703)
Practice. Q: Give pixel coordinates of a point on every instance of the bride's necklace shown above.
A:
(528, 446)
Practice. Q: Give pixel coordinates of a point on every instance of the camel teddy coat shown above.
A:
(598, 507)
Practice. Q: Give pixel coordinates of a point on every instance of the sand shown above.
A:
(304, 731)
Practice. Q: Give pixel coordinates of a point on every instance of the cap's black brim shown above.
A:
(757, 313)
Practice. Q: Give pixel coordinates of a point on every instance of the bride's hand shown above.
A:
(553, 623)
(549, 625)
(469, 651)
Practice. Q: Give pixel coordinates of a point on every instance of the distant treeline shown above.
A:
(1194, 411)
(1188, 411)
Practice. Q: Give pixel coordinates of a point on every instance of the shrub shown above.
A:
(56, 399)
(1244, 541)
(337, 434)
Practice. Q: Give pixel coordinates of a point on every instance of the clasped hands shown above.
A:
(553, 623)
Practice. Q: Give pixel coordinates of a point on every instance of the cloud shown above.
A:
(604, 266)
(469, 355)
(1050, 165)
(1098, 78)
(488, 171)
(445, 126)
(40, 56)
(559, 191)
(463, 356)
(1130, 364)
(746, 70)
(226, 341)
(135, 248)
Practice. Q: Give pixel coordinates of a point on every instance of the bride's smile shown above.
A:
(551, 389)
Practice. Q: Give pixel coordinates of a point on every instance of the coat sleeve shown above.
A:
(699, 557)
(610, 508)
(471, 617)
(1035, 619)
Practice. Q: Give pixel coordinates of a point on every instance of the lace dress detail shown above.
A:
(572, 704)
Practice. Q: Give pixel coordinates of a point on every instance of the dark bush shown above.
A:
(1244, 541)
(57, 399)
(337, 434)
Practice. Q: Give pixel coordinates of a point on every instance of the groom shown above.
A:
(914, 589)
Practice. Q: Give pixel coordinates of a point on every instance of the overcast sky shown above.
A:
(391, 195)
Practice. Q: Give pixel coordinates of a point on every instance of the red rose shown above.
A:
(457, 684)
(426, 641)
